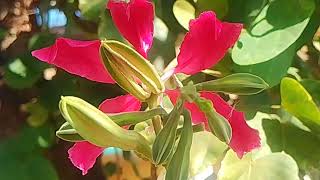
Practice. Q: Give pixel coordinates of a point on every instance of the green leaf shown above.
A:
(97, 128)
(38, 114)
(218, 125)
(178, 166)
(22, 158)
(241, 84)
(297, 101)
(41, 40)
(184, 12)
(276, 28)
(220, 7)
(312, 86)
(164, 143)
(206, 150)
(302, 145)
(107, 29)
(275, 166)
(19, 74)
(273, 70)
(26, 167)
(91, 9)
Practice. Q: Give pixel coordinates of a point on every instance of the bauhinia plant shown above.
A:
(107, 61)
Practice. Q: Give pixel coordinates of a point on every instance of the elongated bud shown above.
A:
(126, 66)
(165, 141)
(218, 125)
(97, 128)
(240, 83)
(68, 133)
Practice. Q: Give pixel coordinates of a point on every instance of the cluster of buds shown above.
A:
(108, 61)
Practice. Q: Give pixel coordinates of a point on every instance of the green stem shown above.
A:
(156, 120)
(157, 126)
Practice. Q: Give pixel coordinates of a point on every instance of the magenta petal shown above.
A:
(81, 58)
(134, 20)
(206, 43)
(197, 115)
(83, 155)
(244, 138)
(125, 103)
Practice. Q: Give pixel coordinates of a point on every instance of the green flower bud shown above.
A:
(97, 128)
(126, 66)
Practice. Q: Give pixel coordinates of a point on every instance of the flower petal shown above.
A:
(134, 20)
(125, 103)
(206, 43)
(197, 115)
(81, 58)
(244, 138)
(83, 155)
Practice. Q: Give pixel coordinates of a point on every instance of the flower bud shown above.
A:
(126, 67)
(97, 128)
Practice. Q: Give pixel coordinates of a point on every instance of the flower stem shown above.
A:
(157, 126)
(156, 121)
(153, 172)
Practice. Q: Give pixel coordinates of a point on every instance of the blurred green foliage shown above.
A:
(277, 35)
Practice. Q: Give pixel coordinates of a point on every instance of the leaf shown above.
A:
(297, 101)
(91, 9)
(26, 167)
(312, 86)
(276, 28)
(220, 7)
(97, 128)
(206, 150)
(41, 40)
(218, 125)
(19, 74)
(184, 12)
(22, 158)
(107, 29)
(240, 83)
(164, 143)
(179, 164)
(302, 145)
(275, 166)
(273, 70)
(38, 114)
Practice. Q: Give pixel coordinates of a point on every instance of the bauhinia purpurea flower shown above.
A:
(206, 43)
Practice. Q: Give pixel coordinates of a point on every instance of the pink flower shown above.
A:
(206, 43)
(244, 138)
(203, 46)
(135, 22)
(83, 155)
(81, 58)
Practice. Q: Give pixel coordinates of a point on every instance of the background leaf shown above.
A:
(275, 166)
(297, 101)
(277, 27)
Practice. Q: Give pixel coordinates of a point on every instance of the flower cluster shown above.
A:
(203, 46)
